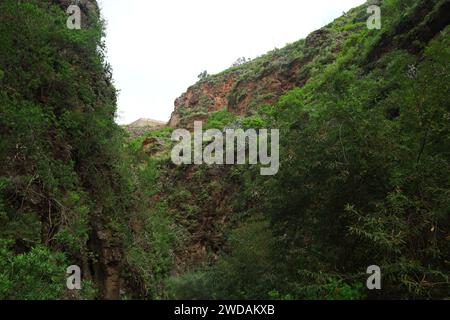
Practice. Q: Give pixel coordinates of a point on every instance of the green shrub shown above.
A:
(36, 275)
(254, 122)
(246, 273)
(219, 120)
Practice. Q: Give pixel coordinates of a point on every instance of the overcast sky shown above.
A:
(158, 47)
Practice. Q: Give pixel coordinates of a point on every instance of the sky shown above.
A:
(157, 48)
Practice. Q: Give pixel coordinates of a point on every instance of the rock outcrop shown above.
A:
(242, 89)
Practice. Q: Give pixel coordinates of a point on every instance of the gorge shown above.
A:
(362, 176)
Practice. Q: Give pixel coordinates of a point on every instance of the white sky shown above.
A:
(158, 47)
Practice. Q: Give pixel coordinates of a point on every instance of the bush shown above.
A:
(219, 120)
(245, 273)
(36, 275)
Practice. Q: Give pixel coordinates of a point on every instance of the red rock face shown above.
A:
(205, 97)
(244, 89)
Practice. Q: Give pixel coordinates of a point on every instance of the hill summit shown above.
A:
(143, 125)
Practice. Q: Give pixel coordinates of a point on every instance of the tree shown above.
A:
(203, 75)
(240, 61)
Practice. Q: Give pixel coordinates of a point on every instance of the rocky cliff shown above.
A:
(242, 89)
(59, 154)
(342, 75)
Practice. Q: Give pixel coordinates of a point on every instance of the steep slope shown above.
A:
(242, 89)
(363, 116)
(365, 160)
(65, 186)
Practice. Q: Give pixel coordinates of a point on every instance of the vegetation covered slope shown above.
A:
(364, 178)
(66, 192)
(365, 167)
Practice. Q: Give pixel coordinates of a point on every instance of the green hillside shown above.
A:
(364, 177)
